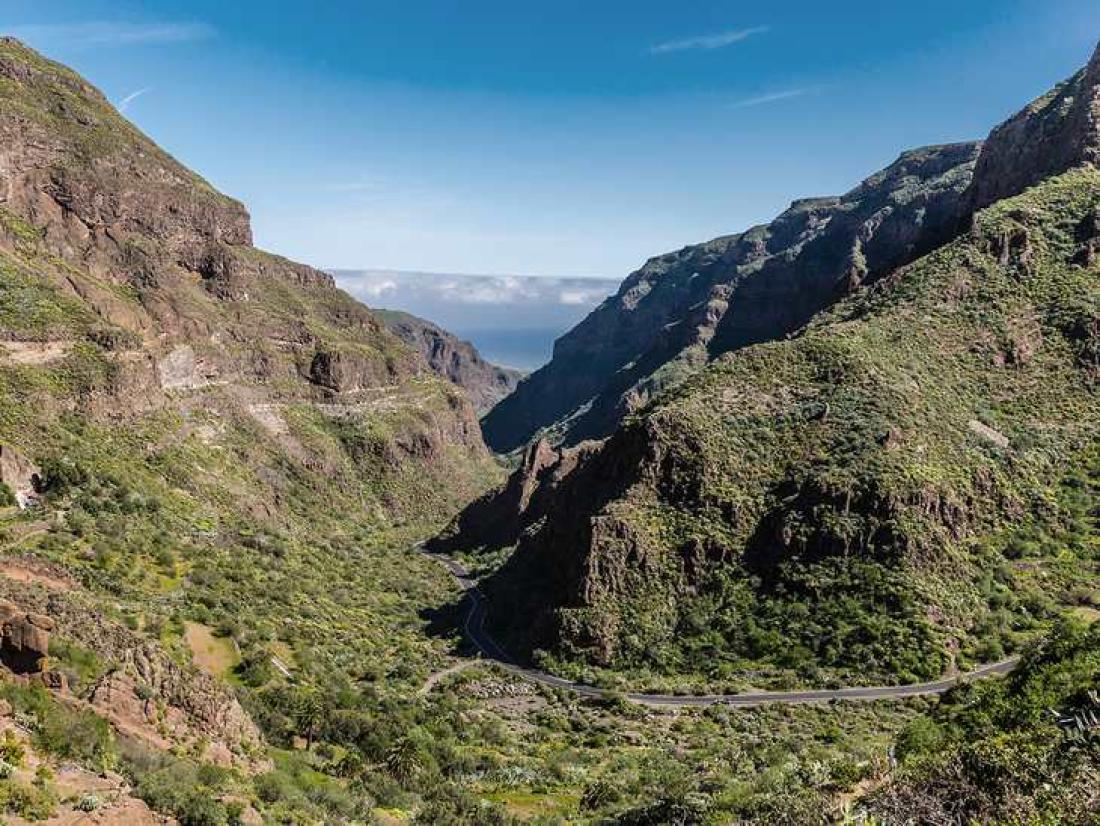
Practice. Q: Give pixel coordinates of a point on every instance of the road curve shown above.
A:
(474, 628)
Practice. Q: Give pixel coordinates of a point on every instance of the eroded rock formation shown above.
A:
(24, 639)
(20, 474)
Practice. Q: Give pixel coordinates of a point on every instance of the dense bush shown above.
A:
(1025, 749)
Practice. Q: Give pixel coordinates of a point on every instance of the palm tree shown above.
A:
(306, 711)
(403, 760)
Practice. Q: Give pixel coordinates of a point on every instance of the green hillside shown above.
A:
(907, 485)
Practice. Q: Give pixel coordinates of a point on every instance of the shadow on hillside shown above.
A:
(446, 622)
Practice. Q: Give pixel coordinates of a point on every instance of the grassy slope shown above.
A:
(845, 510)
(182, 506)
(196, 513)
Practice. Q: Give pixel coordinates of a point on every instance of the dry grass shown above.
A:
(215, 655)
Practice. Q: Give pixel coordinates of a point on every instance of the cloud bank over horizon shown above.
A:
(512, 319)
(464, 289)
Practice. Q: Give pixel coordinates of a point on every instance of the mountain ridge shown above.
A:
(827, 470)
(455, 360)
(212, 435)
(684, 308)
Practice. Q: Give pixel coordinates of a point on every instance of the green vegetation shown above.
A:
(66, 732)
(1021, 750)
(907, 485)
(69, 108)
(30, 308)
(237, 460)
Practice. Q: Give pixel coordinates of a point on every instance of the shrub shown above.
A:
(61, 475)
(177, 790)
(88, 803)
(80, 665)
(25, 801)
(71, 734)
(273, 786)
(598, 794)
(11, 750)
(75, 735)
(234, 812)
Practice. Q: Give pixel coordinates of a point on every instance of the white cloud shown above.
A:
(104, 33)
(708, 41)
(491, 290)
(480, 290)
(378, 288)
(771, 97)
(124, 104)
(578, 297)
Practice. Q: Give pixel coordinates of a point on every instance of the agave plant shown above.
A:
(1081, 725)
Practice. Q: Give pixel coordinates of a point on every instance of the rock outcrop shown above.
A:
(498, 518)
(1057, 131)
(455, 360)
(24, 639)
(199, 706)
(22, 476)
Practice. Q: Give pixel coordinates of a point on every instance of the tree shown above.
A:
(306, 711)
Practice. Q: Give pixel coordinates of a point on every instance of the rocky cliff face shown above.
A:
(685, 308)
(500, 516)
(833, 495)
(681, 309)
(1057, 131)
(24, 639)
(157, 258)
(122, 254)
(455, 360)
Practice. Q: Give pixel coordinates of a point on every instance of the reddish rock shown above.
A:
(24, 639)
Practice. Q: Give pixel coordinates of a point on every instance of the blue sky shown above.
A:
(565, 138)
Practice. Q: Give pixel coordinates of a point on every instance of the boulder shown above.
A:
(20, 474)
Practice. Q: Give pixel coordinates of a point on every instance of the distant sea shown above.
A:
(527, 349)
(513, 320)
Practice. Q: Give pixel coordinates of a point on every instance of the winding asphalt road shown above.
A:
(474, 627)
